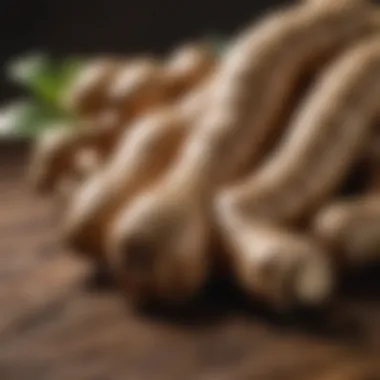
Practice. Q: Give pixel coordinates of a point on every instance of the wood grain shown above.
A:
(58, 321)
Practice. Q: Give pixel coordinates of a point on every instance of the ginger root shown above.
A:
(87, 95)
(351, 229)
(145, 150)
(109, 95)
(170, 153)
(250, 90)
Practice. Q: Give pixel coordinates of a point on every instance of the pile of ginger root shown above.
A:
(254, 152)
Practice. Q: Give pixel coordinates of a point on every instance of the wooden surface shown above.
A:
(58, 321)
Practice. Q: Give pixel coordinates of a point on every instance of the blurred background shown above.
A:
(89, 27)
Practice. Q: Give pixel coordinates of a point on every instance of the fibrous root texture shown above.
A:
(254, 151)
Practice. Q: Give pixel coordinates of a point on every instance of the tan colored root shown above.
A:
(56, 152)
(143, 274)
(142, 155)
(124, 92)
(186, 66)
(275, 265)
(138, 83)
(351, 229)
(148, 83)
(325, 138)
(86, 95)
(138, 87)
(253, 90)
(257, 77)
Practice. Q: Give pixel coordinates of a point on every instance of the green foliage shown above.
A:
(44, 81)
(44, 78)
(28, 119)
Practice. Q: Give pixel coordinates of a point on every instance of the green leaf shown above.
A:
(44, 78)
(23, 70)
(29, 119)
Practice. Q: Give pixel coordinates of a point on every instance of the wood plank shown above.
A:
(57, 324)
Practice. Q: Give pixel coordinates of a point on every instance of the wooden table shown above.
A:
(59, 322)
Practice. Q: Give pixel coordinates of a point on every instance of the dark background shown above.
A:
(94, 26)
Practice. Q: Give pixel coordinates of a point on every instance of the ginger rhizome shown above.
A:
(252, 147)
